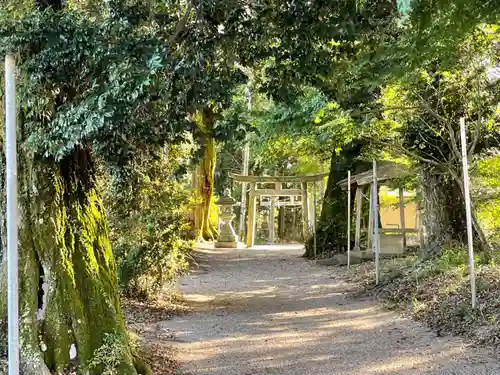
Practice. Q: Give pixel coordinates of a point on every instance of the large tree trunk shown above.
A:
(331, 232)
(439, 229)
(204, 180)
(444, 221)
(69, 300)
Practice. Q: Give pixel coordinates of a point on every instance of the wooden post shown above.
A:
(282, 216)
(294, 223)
(272, 214)
(359, 204)
(321, 187)
(402, 215)
(348, 219)
(310, 205)
(305, 211)
(243, 206)
(251, 216)
(418, 220)
(468, 212)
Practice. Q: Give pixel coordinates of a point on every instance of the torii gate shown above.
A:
(277, 191)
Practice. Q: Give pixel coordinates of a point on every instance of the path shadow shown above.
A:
(269, 312)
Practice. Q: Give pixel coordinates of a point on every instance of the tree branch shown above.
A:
(181, 24)
(406, 152)
(453, 139)
(246, 71)
(432, 111)
(446, 122)
(475, 138)
(377, 110)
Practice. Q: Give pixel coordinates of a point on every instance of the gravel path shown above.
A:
(268, 311)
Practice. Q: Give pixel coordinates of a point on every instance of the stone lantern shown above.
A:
(227, 236)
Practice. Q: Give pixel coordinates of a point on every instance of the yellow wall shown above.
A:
(389, 215)
(389, 208)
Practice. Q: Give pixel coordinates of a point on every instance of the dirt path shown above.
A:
(270, 312)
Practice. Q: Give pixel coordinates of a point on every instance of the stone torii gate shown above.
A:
(277, 191)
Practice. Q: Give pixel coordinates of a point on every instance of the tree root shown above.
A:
(32, 363)
(141, 365)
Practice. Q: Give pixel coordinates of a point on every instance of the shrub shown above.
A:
(150, 231)
(108, 356)
(452, 259)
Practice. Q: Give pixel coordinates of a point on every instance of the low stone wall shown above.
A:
(391, 244)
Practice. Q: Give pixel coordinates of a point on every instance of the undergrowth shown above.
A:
(108, 356)
(437, 292)
(149, 224)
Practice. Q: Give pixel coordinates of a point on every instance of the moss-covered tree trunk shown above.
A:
(69, 302)
(204, 179)
(331, 232)
(444, 220)
(438, 226)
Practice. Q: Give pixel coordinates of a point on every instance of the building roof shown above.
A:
(385, 171)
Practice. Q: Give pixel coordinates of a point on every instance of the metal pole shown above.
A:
(348, 219)
(314, 219)
(470, 244)
(12, 214)
(376, 245)
(246, 162)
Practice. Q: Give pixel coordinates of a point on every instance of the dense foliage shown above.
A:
(121, 86)
(427, 128)
(150, 231)
(84, 92)
(388, 81)
(106, 84)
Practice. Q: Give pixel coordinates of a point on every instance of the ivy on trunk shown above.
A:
(69, 295)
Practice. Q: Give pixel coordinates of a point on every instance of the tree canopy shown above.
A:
(110, 85)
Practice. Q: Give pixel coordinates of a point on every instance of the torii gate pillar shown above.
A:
(251, 215)
(277, 191)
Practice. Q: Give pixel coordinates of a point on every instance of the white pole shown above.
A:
(470, 244)
(375, 223)
(246, 162)
(12, 214)
(243, 206)
(348, 219)
(314, 219)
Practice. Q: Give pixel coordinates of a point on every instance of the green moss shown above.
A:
(64, 238)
